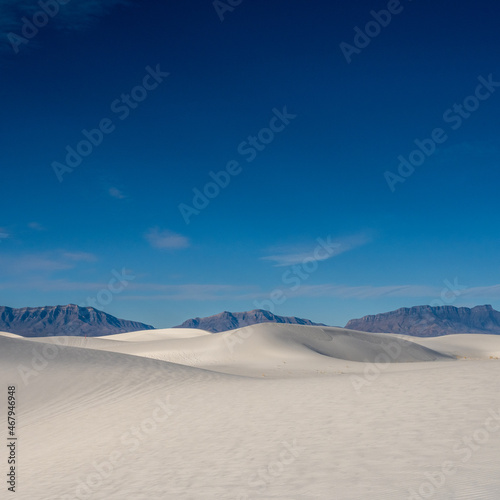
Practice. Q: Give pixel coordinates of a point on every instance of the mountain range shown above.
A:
(427, 321)
(230, 321)
(64, 320)
(419, 321)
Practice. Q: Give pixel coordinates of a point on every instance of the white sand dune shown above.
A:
(465, 345)
(12, 335)
(165, 333)
(267, 349)
(263, 412)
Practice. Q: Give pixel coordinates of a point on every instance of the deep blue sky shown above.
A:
(321, 176)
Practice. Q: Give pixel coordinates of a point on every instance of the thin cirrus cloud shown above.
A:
(208, 292)
(229, 292)
(53, 285)
(36, 226)
(79, 256)
(365, 291)
(116, 193)
(482, 291)
(43, 263)
(296, 254)
(192, 291)
(374, 292)
(145, 291)
(164, 239)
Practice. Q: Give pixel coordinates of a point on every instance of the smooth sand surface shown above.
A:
(263, 412)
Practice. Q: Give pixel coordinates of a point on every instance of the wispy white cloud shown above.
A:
(52, 285)
(43, 263)
(154, 291)
(29, 263)
(365, 291)
(200, 292)
(36, 226)
(375, 292)
(144, 291)
(165, 239)
(3, 234)
(116, 193)
(35, 266)
(251, 292)
(297, 257)
(481, 291)
(321, 249)
(79, 256)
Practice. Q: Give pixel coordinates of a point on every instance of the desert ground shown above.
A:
(264, 412)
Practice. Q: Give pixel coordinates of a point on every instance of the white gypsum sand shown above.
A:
(264, 412)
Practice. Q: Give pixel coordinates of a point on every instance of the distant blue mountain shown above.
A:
(229, 321)
(427, 321)
(64, 320)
